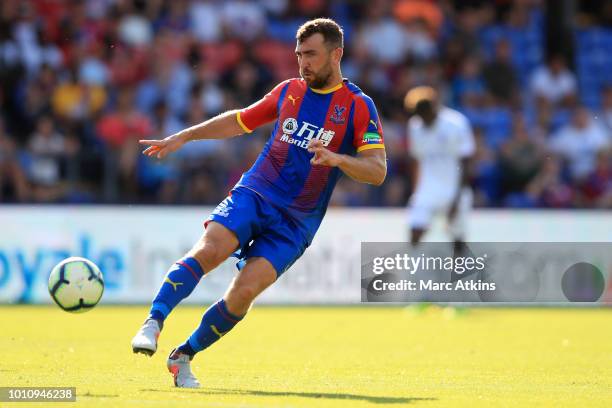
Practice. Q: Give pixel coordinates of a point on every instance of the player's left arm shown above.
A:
(370, 163)
(466, 150)
(369, 166)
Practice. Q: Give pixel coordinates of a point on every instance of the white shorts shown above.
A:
(424, 207)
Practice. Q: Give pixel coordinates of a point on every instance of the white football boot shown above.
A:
(145, 341)
(179, 365)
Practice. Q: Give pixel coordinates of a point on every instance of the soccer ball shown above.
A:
(76, 284)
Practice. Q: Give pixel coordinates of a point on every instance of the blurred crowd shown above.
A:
(82, 81)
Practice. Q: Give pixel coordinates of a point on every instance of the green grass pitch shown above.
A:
(321, 357)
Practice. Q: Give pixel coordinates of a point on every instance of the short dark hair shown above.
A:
(331, 31)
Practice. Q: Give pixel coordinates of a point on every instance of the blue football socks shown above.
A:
(216, 322)
(179, 282)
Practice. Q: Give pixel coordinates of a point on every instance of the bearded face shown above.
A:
(320, 78)
(316, 61)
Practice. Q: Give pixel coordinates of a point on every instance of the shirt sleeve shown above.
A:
(261, 112)
(368, 129)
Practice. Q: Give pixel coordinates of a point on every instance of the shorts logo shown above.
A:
(223, 209)
(337, 117)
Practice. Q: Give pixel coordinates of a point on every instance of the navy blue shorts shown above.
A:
(261, 228)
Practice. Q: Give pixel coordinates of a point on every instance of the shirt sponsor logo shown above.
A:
(306, 133)
(372, 138)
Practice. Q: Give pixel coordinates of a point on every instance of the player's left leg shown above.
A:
(270, 254)
(458, 226)
(257, 274)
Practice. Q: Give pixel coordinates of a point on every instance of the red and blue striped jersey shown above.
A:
(343, 118)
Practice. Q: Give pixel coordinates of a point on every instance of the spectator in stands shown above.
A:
(521, 159)
(75, 101)
(168, 81)
(93, 69)
(176, 17)
(205, 20)
(548, 188)
(243, 19)
(419, 40)
(36, 102)
(597, 187)
(134, 28)
(248, 80)
(499, 75)
(381, 28)
(190, 59)
(553, 85)
(424, 10)
(484, 172)
(606, 108)
(13, 183)
(120, 130)
(47, 150)
(468, 86)
(463, 36)
(159, 181)
(579, 143)
(201, 187)
(164, 120)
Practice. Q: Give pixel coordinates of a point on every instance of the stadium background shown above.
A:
(81, 81)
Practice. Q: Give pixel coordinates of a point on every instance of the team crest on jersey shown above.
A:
(338, 116)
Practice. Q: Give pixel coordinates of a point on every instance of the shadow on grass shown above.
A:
(89, 394)
(326, 395)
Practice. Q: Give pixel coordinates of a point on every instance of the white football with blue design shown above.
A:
(76, 284)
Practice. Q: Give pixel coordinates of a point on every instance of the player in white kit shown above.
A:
(442, 143)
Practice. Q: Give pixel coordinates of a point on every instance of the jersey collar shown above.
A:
(328, 90)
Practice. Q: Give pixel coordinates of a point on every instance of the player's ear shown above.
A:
(337, 54)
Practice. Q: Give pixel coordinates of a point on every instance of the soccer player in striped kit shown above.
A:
(324, 126)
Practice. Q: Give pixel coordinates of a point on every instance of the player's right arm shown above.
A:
(414, 151)
(223, 126)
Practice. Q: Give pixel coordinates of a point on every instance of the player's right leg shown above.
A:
(416, 235)
(221, 317)
(271, 252)
(419, 218)
(216, 244)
